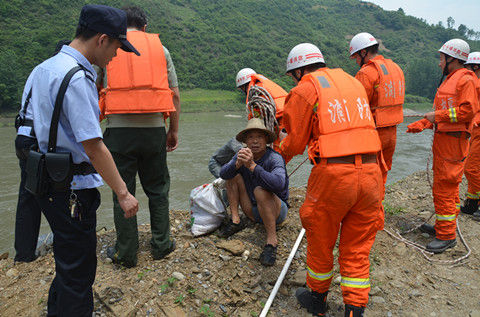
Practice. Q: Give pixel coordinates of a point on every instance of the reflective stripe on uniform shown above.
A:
(457, 206)
(355, 282)
(446, 217)
(472, 196)
(315, 107)
(453, 114)
(319, 276)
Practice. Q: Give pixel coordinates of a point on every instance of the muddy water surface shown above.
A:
(200, 135)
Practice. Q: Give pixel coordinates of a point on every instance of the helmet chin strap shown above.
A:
(362, 61)
(445, 69)
(302, 72)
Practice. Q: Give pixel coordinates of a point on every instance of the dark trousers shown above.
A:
(27, 219)
(74, 250)
(141, 150)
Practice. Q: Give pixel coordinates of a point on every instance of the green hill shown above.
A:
(210, 40)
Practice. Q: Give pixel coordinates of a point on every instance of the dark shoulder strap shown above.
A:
(27, 102)
(52, 138)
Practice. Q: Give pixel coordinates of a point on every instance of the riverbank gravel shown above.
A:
(209, 276)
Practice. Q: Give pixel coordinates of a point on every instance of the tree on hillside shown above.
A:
(462, 29)
(450, 22)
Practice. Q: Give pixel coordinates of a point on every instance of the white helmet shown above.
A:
(361, 41)
(302, 55)
(473, 58)
(456, 48)
(243, 76)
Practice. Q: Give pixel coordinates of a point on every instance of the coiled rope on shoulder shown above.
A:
(261, 105)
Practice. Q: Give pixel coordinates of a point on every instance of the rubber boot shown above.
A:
(428, 228)
(315, 303)
(476, 215)
(354, 311)
(470, 206)
(438, 246)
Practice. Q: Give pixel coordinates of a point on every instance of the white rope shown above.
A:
(422, 249)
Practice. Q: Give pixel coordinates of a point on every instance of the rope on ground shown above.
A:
(261, 105)
(428, 255)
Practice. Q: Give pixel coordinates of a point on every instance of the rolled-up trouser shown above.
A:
(472, 165)
(345, 198)
(449, 154)
(388, 138)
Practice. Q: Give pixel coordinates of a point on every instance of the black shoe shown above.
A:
(438, 246)
(268, 255)
(470, 206)
(161, 255)
(229, 228)
(315, 303)
(113, 255)
(476, 216)
(427, 228)
(354, 311)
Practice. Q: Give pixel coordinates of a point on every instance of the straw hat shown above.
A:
(256, 124)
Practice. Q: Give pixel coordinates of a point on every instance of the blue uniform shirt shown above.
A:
(79, 118)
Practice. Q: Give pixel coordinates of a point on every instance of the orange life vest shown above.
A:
(278, 93)
(138, 84)
(446, 98)
(346, 124)
(476, 118)
(391, 93)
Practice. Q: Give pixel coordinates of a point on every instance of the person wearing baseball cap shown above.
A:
(70, 209)
(107, 20)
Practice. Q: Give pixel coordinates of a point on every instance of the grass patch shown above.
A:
(203, 100)
(392, 210)
(206, 311)
(419, 106)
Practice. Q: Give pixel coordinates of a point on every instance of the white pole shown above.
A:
(282, 274)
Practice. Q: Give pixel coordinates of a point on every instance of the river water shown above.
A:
(200, 135)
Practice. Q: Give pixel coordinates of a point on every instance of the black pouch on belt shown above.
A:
(60, 170)
(36, 181)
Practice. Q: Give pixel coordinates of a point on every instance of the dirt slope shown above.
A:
(200, 279)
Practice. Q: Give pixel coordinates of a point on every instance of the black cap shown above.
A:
(107, 20)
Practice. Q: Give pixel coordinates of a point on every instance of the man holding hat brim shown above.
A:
(260, 186)
(71, 210)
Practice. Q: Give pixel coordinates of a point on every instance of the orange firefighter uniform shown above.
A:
(328, 111)
(455, 104)
(138, 84)
(472, 164)
(385, 85)
(278, 94)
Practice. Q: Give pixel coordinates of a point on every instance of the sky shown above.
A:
(465, 12)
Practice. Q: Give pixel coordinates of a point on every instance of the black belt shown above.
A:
(28, 123)
(349, 159)
(83, 168)
(459, 134)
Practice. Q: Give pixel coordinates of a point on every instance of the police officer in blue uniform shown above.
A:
(71, 212)
(27, 220)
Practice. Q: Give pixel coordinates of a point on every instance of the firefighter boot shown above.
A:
(438, 246)
(476, 215)
(470, 206)
(315, 303)
(354, 311)
(428, 228)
